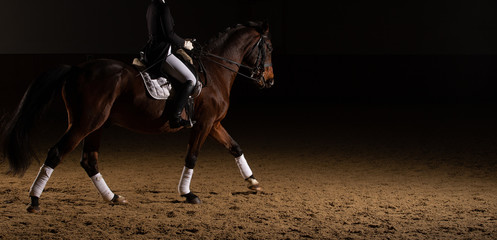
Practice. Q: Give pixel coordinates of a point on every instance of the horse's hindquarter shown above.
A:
(90, 95)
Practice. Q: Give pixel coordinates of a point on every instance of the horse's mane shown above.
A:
(224, 35)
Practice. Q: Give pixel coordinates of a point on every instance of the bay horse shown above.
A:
(104, 91)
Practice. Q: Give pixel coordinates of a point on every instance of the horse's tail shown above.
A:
(15, 133)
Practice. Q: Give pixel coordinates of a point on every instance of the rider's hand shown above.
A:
(185, 55)
(188, 45)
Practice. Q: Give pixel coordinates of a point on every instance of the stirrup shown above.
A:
(181, 123)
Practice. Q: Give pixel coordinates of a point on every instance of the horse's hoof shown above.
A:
(33, 209)
(192, 198)
(119, 200)
(253, 185)
(255, 188)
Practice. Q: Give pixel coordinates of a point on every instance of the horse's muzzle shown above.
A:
(265, 83)
(269, 83)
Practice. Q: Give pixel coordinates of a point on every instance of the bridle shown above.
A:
(257, 71)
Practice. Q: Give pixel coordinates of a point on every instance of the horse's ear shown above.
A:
(265, 27)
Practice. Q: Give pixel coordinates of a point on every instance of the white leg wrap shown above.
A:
(102, 187)
(243, 166)
(184, 182)
(40, 181)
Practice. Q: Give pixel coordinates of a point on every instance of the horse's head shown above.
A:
(259, 57)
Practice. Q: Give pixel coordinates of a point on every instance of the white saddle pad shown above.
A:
(159, 88)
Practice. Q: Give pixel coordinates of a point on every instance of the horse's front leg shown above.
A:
(199, 133)
(221, 135)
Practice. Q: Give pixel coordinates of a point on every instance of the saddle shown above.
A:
(161, 88)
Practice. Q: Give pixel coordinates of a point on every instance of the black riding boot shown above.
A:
(181, 99)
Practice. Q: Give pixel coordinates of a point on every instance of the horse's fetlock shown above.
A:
(35, 201)
(53, 158)
(190, 161)
(236, 151)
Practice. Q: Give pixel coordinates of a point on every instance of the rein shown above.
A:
(233, 70)
(255, 71)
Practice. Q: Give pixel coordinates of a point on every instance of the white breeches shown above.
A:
(177, 69)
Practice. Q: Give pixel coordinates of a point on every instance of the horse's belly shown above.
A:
(141, 116)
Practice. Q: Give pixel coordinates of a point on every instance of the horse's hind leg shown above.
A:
(221, 135)
(89, 162)
(65, 145)
(70, 140)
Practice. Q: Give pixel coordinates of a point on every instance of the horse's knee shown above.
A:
(236, 150)
(53, 157)
(190, 161)
(89, 163)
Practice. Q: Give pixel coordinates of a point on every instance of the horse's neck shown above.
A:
(234, 50)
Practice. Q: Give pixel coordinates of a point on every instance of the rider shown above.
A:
(158, 49)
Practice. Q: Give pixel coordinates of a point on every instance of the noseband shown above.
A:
(257, 72)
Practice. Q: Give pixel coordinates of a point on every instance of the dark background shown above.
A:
(383, 95)
(344, 52)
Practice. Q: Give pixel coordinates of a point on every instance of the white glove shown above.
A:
(185, 55)
(188, 45)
